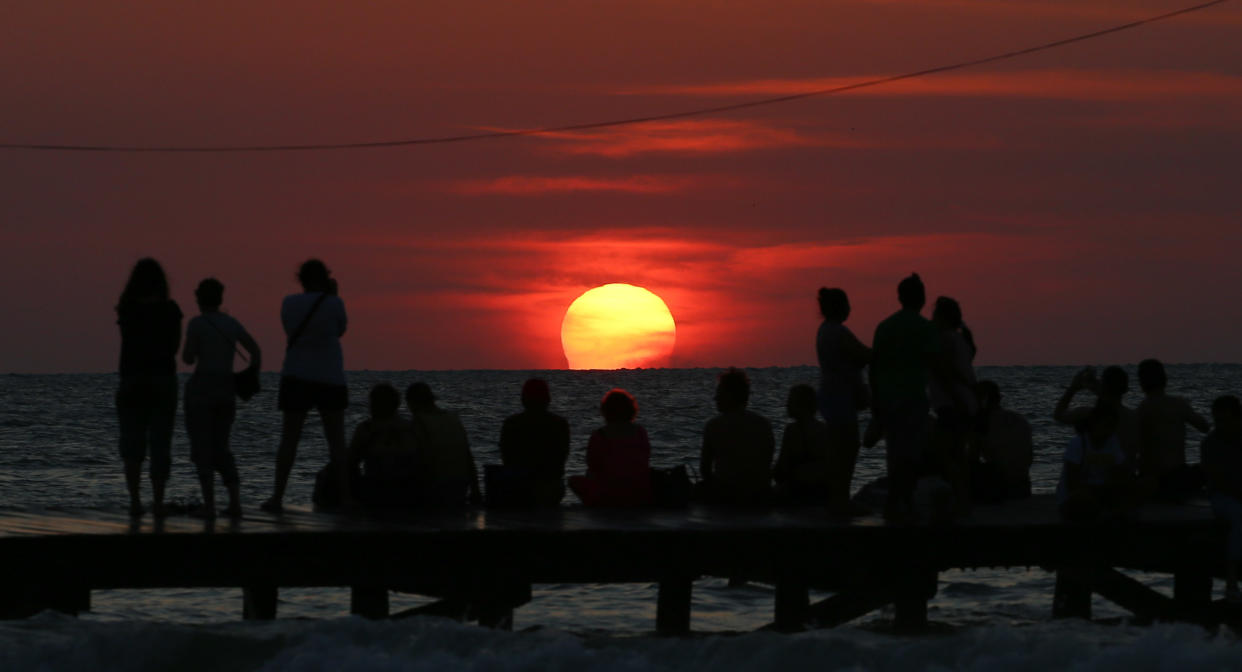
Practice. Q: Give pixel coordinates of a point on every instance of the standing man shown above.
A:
(905, 347)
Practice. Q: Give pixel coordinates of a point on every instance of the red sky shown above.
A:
(1083, 204)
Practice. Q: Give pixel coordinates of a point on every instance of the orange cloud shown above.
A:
(693, 136)
(523, 185)
(1098, 85)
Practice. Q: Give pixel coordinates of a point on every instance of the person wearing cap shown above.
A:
(535, 444)
(447, 477)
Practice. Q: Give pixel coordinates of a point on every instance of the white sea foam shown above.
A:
(341, 645)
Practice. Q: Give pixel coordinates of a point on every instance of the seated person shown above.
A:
(1162, 423)
(738, 445)
(1222, 466)
(1110, 389)
(1004, 447)
(1093, 475)
(618, 457)
(534, 445)
(385, 449)
(802, 469)
(446, 471)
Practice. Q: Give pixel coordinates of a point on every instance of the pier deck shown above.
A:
(487, 556)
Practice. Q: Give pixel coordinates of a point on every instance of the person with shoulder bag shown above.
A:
(313, 374)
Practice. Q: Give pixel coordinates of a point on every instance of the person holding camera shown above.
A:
(313, 374)
(1110, 389)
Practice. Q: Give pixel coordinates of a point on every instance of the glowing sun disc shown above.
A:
(618, 326)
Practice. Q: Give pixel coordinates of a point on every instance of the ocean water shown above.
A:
(58, 451)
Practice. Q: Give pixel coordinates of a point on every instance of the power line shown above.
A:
(698, 112)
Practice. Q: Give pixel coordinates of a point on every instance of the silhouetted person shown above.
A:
(1005, 447)
(1222, 465)
(905, 349)
(384, 453)
(146, 401)
(1110, 390)
(1162, 425)
(313, 374)
(803, 467)
(211, 338)
(952, 392)
(618, 457)
(535, 444)
(738, 446)
(1094, 473)
(842, 393)
(447, 476)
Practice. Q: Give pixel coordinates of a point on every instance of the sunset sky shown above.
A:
(1084, 204)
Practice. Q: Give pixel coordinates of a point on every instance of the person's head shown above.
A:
(536, 396)
(834, 304)
(1114, 383)
(418, 396)
(385, 400)
(1227, 416)
(146, 281)
(911, 294)
(209, 294)
(948, 312)
(1151, 376)
(618, 407)
(989, 395)
(1100, 424)
(315, 276)
(732, 390)
(801, 403)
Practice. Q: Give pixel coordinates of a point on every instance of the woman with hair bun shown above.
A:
(842, 393)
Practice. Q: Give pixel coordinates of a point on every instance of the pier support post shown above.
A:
(673, 605)
(1072, 597)
(792, 603)
(1192, 592)
(368, 601)
(259, 602)
(910, 594)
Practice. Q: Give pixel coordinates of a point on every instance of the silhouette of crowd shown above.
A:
(949, 443)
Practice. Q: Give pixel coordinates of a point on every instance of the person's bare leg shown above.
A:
(133, 480)
(334, 432)
(157, 494)
(290, 434)
(207, 481)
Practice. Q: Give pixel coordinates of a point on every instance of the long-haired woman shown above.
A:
(146, 401)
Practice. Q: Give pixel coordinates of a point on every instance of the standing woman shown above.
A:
(146, 402)
(953, 398)
(313, 375)
(211, 338)
(842, 393)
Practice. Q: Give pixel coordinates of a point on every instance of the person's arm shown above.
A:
(781, 472)
(855, 351)
(1061, 413)
(252, 349)
(707, 456)
(506, 442)
(594, 454)
(1193, 418)
(173, 333)
(342, 321)
(189, 354)
(562, 444)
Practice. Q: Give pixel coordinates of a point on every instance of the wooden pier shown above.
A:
(481, 564)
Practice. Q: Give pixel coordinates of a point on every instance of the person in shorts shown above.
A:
(313, 374)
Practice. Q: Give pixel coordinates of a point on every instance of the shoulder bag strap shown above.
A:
(293, 338)
(231, 341)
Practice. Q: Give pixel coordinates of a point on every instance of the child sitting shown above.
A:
(802, 468)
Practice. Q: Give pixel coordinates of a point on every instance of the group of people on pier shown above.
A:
(917, 378)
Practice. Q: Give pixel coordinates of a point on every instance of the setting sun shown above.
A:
(618, 326)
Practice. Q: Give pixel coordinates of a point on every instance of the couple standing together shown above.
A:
(909, 356)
